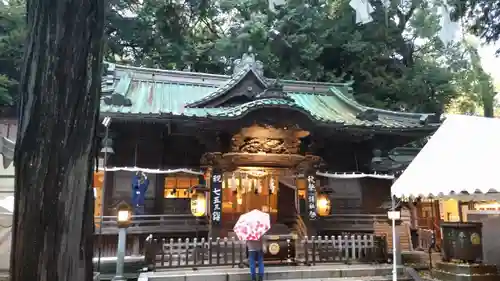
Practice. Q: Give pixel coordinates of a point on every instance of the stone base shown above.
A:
(420, 259)
(447, 271)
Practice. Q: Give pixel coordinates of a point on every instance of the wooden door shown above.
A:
(286, 203)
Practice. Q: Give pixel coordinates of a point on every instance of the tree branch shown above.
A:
(405, 17)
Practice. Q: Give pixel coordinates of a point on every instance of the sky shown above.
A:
(490, 62)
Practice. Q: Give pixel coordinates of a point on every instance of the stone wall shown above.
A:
(491, 243)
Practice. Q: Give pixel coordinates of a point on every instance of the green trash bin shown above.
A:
(462, 241)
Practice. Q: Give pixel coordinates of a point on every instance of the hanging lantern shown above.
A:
(323, 205)
(198, 204)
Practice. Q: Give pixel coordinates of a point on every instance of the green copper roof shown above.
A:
(131, 95)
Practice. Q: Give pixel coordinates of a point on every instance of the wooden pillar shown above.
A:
(159, 197)
(158, 194)
(109, 177)
(136, 250)
(301, 184)
(108, 193)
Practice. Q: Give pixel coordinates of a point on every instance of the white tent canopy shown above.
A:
(460, 160)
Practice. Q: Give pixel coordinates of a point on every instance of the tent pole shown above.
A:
(394, 262)
(433, 235)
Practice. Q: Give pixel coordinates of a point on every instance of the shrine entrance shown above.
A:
(245, 190)
(262, 189)
(264, 170)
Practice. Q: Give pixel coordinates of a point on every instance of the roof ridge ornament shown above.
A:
(248, 62)
(275, 90)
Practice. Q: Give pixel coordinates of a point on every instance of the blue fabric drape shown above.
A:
(139, 188)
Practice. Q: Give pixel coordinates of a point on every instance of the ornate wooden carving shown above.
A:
(265, 145)
(236, 159)
(231, 161)
(266, 139)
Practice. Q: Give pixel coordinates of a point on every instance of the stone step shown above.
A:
(367, 278)
(318, 272)
(420, 259)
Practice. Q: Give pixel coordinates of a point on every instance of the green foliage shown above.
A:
(12, 34)
(475, 83)
(5, 86)
(396, 62)
(318, 41)
(482, 17)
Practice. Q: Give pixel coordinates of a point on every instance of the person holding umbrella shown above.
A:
(256, 255)
(251, 228)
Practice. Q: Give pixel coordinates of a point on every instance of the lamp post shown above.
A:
(123, 219)
(106, 148)
(394, 215)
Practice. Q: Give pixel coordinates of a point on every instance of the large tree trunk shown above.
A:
(488, 106)
(59, 88)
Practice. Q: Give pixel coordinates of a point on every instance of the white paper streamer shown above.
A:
(363, 10)
(192, 172)
(355, 176)
(153, 171)
(450, 30)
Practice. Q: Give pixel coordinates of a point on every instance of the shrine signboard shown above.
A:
(216, 197)
(311, 198)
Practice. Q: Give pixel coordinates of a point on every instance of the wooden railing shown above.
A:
(153, 224)
(231, 252)
(346, 248)
(350, 222)
(300, 226)
(425, 239)
(188, 223)
(428, 225)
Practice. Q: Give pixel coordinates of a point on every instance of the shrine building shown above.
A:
(215, 146)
